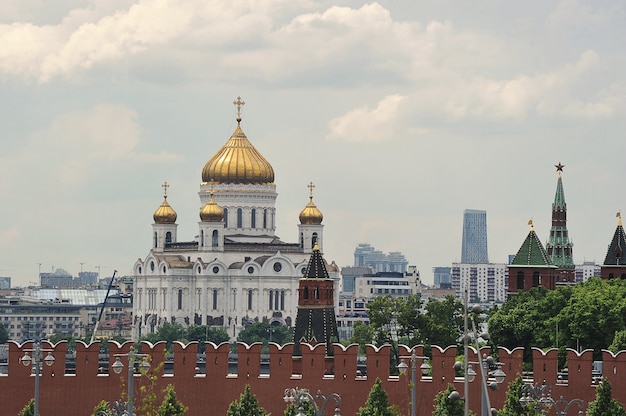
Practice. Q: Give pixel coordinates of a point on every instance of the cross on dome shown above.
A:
(165, 186)
(239, 103)
(310, 186)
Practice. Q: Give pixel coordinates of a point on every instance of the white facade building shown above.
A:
(235, 271)
(486, 283)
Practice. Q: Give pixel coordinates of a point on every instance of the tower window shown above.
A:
(253, 218)
(250, 299)
(180, 299)
(156, 240)
(168, 237)
(214, 239)
(214, 298)
(226, 217)
(239, 218)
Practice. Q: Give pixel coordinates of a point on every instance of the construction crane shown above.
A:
(95, 327)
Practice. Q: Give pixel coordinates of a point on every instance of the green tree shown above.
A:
(263, 332)
(170, 332)
(4, 334)
(605, 404)
(362, 334)
(383, 313)
(247, 405)
(512, 405)
(377, 403)
(307, 408)
(171, 406)
(445, 407)
(619, 342)
(442, 322)
(29, 409)
(101, 409)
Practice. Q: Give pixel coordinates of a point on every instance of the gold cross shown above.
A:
(310, 186)
(165, 186)
(239, 103)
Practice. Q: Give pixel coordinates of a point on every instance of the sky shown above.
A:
(402, 113)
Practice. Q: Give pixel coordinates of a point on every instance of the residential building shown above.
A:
(486, 283)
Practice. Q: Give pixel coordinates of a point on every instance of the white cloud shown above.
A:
(363, 124)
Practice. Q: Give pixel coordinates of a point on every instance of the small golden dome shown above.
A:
(238, 161)
(310, 215)
(211, 212)
(165, 214)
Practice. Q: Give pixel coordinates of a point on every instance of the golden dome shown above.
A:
(310, 215)
(238, 161)
(165, 214)
(211, 212)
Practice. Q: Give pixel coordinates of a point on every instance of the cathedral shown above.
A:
(235, 271)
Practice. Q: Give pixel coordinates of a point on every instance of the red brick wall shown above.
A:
(212, 393)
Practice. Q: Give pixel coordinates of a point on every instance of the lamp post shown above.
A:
(35, 360)
(540, 396)
(485, 364)
(425, 367)
(118, 366)
(298, 396)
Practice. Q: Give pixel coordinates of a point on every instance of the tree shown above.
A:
(446, 407)
(512, 405)
(100, 409)
(442, 322)
(171, 406)
(4, 334)
(307, 408)
(619, 342)
(170, 332)
(383, 314)
(362, 334)
(605, 404)
(29, 409)
(247, 405)
(377, 403)
(264, 332)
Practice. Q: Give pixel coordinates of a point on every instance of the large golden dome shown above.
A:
(238, 161)
(311, 215)
(211, 212)
(164, 214)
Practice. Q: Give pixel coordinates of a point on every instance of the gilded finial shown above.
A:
(310, 186)
(532, 226)
(239, 103)
(165, 186)
(559, 169)
(619, 218)
(316, 246)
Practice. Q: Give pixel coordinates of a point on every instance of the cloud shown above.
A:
(363, 124)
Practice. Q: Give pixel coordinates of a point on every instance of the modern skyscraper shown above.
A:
(474, 248)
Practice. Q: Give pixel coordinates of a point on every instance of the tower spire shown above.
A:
(559, 246)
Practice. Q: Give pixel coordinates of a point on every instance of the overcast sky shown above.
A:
(402, 113)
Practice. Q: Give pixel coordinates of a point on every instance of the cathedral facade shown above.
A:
(236, 271)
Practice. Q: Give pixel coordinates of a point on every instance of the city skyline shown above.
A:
(402, 115)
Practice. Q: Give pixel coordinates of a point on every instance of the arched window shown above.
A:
(271, 300)
(253, 218)
(214, 241)
(226, 217)
(535, 279)
(180, 299)
(156, 239)
(313, 239)
(214, 298)
(282, 300)
(306, 292)
(301, 240)
(201, 238)
(316, 293)
(239, 218)
(250, 299)
(168, 237)
(264, 218)
(520, 280)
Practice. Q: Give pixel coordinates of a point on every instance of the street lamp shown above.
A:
(118, 366)
(36, 360)
(540, 396)
(425, 367)
(485, 363)
(298, 396)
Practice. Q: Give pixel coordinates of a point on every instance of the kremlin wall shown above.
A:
(211, 392)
